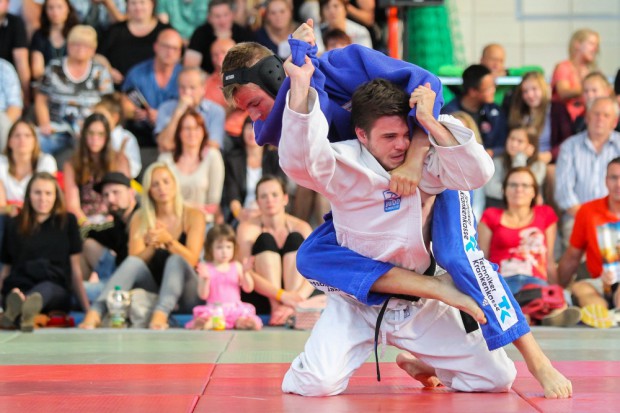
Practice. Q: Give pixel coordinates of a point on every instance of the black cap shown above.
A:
(112, 178)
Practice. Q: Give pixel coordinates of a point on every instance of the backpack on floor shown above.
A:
(538, 301)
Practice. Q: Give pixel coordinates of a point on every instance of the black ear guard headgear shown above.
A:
(267, 73)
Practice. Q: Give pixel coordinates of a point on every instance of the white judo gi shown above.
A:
(379, 224)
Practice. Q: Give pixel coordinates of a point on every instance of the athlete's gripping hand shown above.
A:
(300, 84)
(305, 32)
(405, 179)
(423, 100)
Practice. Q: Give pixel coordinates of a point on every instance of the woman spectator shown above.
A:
(568, 75)
(42, 261)
(198, 167)
(131, 41)
(521, 150)
(93, 158)
(244, 166)
(520, 239)
(21, 159)
(165, 241)
(70, 87)
(272, 239)
(334, 16)
(278, 24)
(50, 41)
(531, 107)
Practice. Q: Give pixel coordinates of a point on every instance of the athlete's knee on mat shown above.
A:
(307, 383)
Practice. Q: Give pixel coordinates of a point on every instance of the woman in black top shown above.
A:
(42, 259)
(50, 41)
(131, 42)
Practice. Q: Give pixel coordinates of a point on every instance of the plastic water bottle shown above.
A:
(118, 303)
(219, 323)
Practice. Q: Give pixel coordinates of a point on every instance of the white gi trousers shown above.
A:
(343, 339)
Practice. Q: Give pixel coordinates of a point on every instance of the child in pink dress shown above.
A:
(219, 279)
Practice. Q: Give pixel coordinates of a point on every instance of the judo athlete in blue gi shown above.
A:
(256, 83)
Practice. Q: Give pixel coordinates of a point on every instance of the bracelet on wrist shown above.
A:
(279, 295)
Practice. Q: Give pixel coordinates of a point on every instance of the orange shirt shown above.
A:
(597, 232)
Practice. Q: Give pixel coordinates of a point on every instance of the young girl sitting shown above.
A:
(218, 282)
(521, 150)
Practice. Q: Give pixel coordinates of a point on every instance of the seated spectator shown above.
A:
(129, 42)
(220, 281)
(11, 104)
(371, 17)
(199, 169)
(21, 160)
(220, 25)
(568, 75)
(334, 16)
(278, 24)
(150, 83)
(494, 58)
(191, 96)
(272, 238)
(50, 41)
(185, 16)
(70, 87)
(42, 261)
(580, 169)
(213, 92)
(596, 234)
(100, 14)
(14, 47)
(595, 85)
(121, 139)
(520, 239)
(245, 165)
(521, 150)
(29, 11)
(93, 158)
(165, 241)
(336, 39)
(477, 101)
(105, 247)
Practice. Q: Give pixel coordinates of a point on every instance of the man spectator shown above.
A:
(220, 24)
(14, 46)
(155, 80)
(596, 234)
(494, 58)
(104, 249)
(213, 88)
(477, 101)
(191, 82)
(580, 168)
(11, 103)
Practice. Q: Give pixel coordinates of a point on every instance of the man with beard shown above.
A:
(106, 246)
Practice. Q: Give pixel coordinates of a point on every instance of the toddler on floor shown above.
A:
(219, 279)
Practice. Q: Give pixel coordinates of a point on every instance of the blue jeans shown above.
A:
(104, 269)
(56, 142)
(516, 282)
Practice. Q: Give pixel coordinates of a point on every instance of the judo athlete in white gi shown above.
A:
(372, 221)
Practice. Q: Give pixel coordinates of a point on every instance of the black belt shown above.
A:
(468, 321)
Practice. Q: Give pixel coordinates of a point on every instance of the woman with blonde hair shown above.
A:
(569, 74)
(165, 240)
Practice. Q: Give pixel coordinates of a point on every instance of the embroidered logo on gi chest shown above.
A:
(391, 201)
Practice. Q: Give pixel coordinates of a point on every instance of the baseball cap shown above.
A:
(112, 178)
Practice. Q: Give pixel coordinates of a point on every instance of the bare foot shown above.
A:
(554, 384)
(92, 320)
(449, 294)
(279, 315)
(419, 370)
(246, 323)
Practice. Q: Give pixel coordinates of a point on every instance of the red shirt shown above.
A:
(520, 250)
(597, 232)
